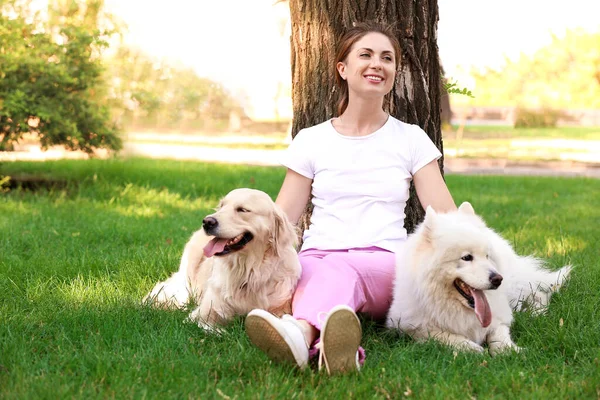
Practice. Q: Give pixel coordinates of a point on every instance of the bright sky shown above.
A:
(240, 42)
(482, 33)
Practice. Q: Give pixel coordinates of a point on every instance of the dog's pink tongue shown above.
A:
(482, 307)
(215, 246)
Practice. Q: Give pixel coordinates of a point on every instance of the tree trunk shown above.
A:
(446, 109)
(316, 24)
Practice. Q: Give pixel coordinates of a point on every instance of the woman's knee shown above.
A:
(328, 270)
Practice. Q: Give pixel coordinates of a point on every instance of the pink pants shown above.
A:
(359, 278)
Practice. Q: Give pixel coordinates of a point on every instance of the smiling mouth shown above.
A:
(465, 291)
(220, 247)
(373, 78)
(476, 300)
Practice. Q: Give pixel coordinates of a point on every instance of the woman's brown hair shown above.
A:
(353, 35)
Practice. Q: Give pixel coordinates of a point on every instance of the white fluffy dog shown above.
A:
(458, 281)
(250, 262)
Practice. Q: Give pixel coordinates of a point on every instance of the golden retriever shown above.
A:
(243, 258)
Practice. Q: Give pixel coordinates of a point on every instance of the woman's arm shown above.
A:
(293, 195)
(432, 190)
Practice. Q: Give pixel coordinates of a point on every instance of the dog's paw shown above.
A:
(160, 297)
(214, 330)
(469, 346)
(155, 296)
(496, 349)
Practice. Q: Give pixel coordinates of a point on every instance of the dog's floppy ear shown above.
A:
(283, 233)
(466, 208)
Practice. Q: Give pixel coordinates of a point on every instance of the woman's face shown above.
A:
(370, 67)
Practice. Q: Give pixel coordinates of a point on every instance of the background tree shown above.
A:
(51, 82)
(565, 74)
(146, 93)
(316, 24)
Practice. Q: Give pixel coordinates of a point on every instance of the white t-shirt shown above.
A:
(360, 184)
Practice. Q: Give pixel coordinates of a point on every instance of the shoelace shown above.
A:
(319, 346)
(321, 317)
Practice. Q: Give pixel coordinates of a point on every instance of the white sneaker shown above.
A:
(340, 339)
(280, 338)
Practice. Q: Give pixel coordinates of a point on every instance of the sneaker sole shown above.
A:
(264, 336)
(341, 339)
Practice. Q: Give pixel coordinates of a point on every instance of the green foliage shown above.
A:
(452, 88)
(543, 118)
(146, 93)
(564, 74)
(51, 82)
(57, 85)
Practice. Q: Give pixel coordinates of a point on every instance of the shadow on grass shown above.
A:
(189, 179)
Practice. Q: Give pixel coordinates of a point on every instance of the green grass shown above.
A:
(509, 132)
(523, 144)
(75, 262)
(254, 146)
(489, 142)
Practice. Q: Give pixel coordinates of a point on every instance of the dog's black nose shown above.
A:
(209, 223)
(495, 280)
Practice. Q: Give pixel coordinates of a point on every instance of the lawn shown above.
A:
(276, 141)
(508, 132)
(524, 144)
(489, 142)
(77, 256)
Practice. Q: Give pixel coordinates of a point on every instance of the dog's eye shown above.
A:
(242, 210)
(467, 257)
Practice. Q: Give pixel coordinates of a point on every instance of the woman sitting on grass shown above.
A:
(359, 167)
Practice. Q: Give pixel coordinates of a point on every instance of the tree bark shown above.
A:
(415, 99)
(445, 107)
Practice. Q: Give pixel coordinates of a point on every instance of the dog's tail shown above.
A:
(533, 285)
